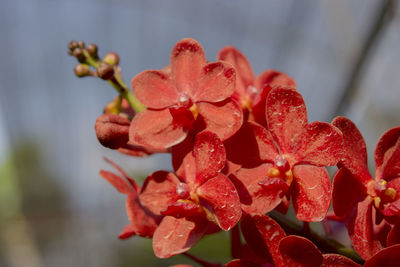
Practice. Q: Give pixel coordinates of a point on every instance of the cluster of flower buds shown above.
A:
(241, 148)
(87, 57)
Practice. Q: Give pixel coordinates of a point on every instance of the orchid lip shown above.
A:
(380, 193)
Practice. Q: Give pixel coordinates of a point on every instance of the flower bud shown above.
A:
(81, 70)
(81, 44)
(78, 53)
(114, 107)
(105, 71)
(112, 130)
(72, 45)
(111, 58)
(92, 50)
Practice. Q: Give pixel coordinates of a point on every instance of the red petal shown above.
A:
(184, 162)
(360, 228)
(112, 130)
(391, 163)
(393, 237)
(187, 61)
(387, 141)
(217, 83)
(299, 251)
(336, 260)
(347, 191)
(156, 129)
(174, 236)
(311, 192)
(143, 222)
(209, 154)
(154, 89)
(251, 145)
(385, 258)
(137, 151)
(254, 198)
(120, 184)
(244, 73)
(127, 232)
(123, 173)
(259, 105)
(159, 191)
(274, 184)
(182, 209)
(263, 235)
(322, 145)
(392, 209)
(287, 118)
(223, 118)
(274, 78)
(283, 207)
(246, 263)
(221, 195)
(354, 148)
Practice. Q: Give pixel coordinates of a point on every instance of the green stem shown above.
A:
(326, 245)
(119, 85)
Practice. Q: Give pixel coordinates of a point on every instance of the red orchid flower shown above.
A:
(368, 205)
(250, 91)
(268, 241)
(142, 221)
(288, 159)
(189, 90)
(299, 251)
(192, 203)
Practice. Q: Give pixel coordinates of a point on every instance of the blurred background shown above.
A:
(55, 210)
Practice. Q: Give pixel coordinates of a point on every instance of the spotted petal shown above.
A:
(385, 258)
(336, 260)
(321, 145)
(311, 192)
(154, 89)
(274, 78)
(156, 129)
(159, 191)
(244, 73)
(255, 198)
(209, 154)
(223, 118)
(354, 156)
(174, 236)
(299, 251)
(263, 235)
(286, 118)
(347, 191)
(360, 228)
(221, 195)
(251, 145)
(390, 166)
(143, 222)
(217, 83)
(187, 61)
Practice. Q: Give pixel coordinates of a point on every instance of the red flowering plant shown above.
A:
(242, 148)
(370, 207)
